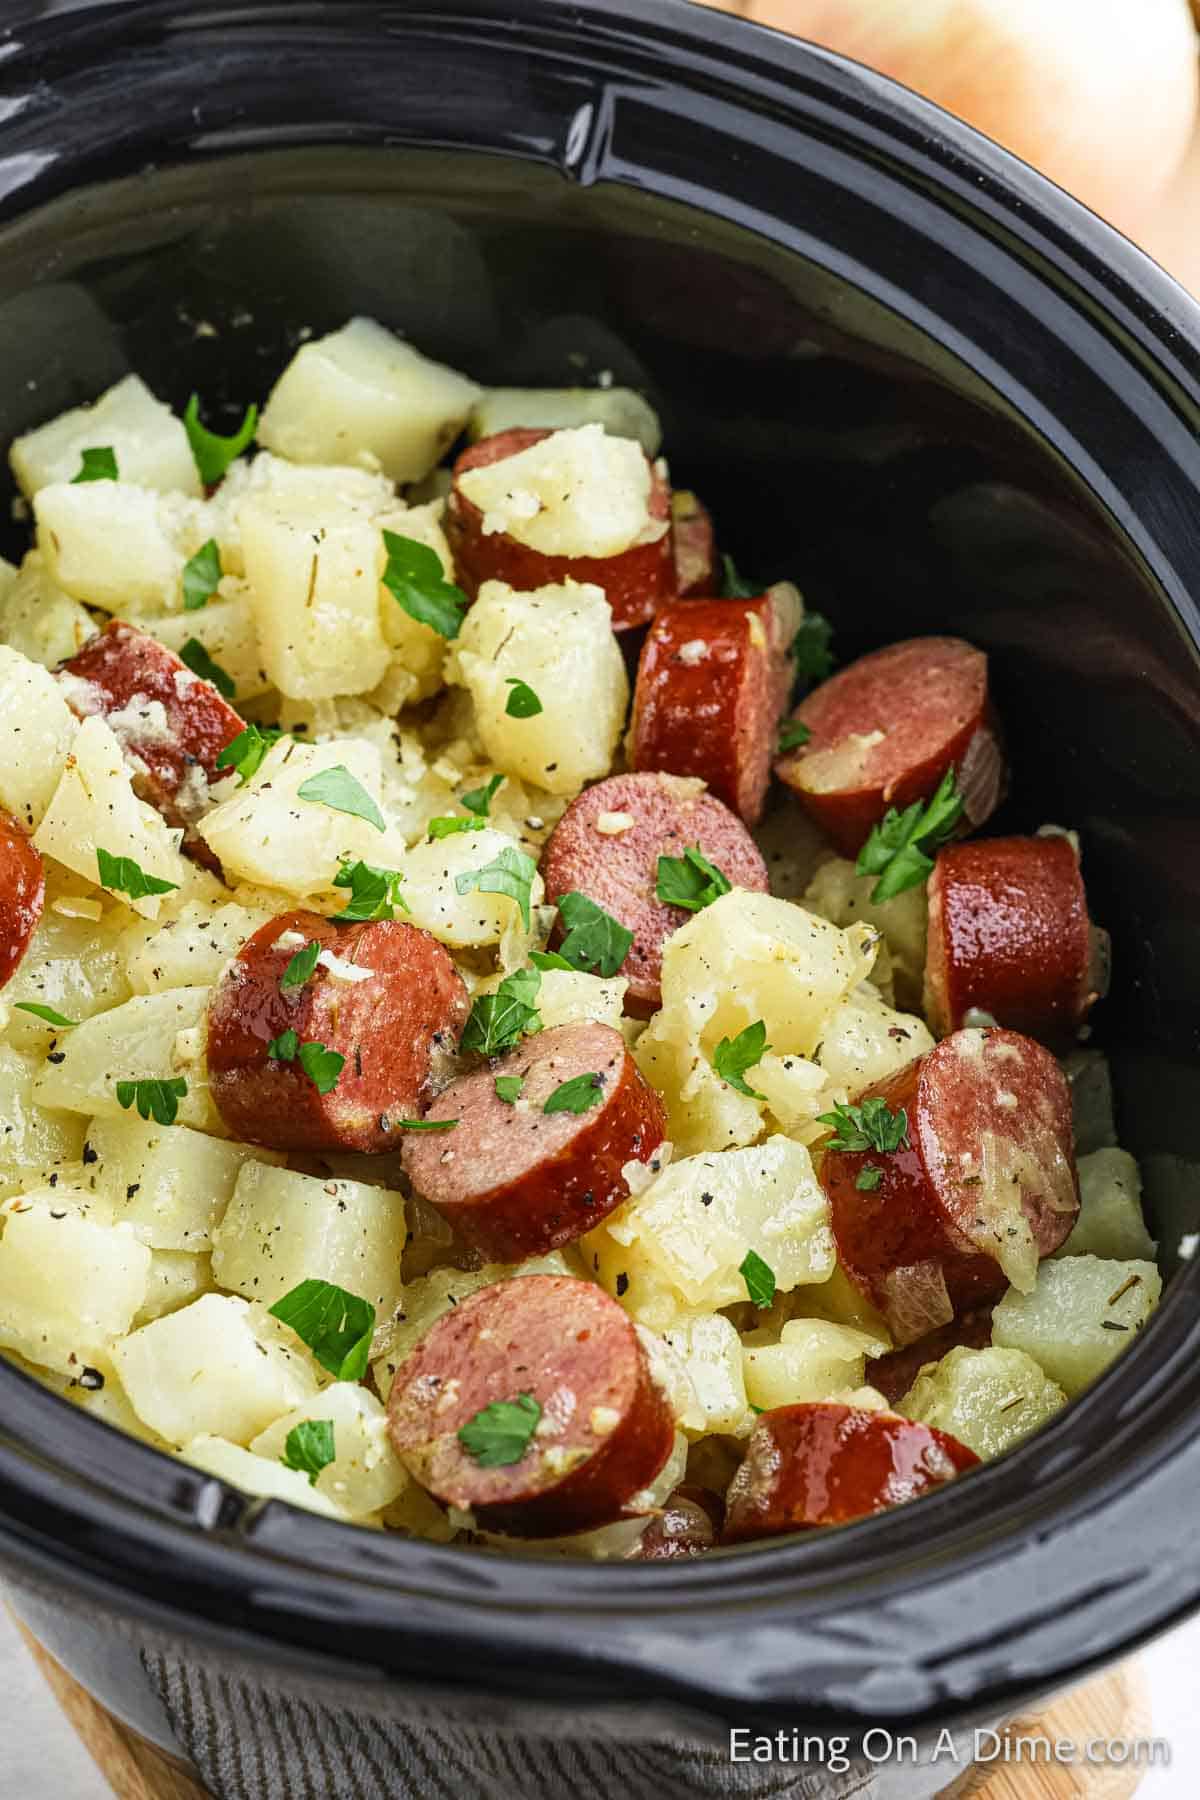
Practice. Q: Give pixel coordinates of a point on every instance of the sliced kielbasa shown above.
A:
(894, 1373)
(172, 724)
(515, 1179)
(604, 1427)
(688, 1525)
(884, 731)
(695, 547)
(985, 1186)
(713, 680)
(607, 845)
(391, 1027)
(635, 582)
(22, 895)
(824, 1464)
(1009, 934)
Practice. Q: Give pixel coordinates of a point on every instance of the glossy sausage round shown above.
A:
(514, 1180)
(605, 1431)
(825, 1464)
(22, 895)
(1009, 934)
(713, 680)
(986, 1186)
(885, 730)
(635, 582)
(688, 1525)
(391, 1029)
(607, 845)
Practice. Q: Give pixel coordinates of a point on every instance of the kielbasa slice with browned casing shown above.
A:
(386, 999)
(983, 1188)
(884, 731)
(604, 1427)
(636, 581)
(172, 724)
(1009, 934)
(517, 1178)
(695, 546)
(825, 1464)
(607, 845)
(688, 1525)
(22, 895)
(712, 683)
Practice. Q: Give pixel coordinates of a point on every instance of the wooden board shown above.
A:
(1114, 1705)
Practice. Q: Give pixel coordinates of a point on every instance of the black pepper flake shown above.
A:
(53, 1182)
(358, 1059)
(57, 1056)
(706, 1199)
(587, 1199)
(90, 1155)
(1111, 1325)
(622, 1284)
(132, 1189)
(92, 1380)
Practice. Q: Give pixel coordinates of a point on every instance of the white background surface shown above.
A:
(44, 1760)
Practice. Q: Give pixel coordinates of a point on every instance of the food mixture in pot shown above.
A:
(503, 1036)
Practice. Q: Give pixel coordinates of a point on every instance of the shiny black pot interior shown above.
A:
(904, 372)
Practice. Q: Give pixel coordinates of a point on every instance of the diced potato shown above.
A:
(73, 965)
(192, 950)
(796, 1091)
(988, 1399)
(226, 630)
(219, 1365)
(94, 806)
(622, 412)
(36, 728)
(269, 477)
(171, 1184)
(559, 641)
(576, 493)
(363, 396)
(837, 893)
(33, 1138)
(703, 1112)
(417, 649)
(148, 441)
(109, 1402)
(431, 871)
(427, 1298)
(39, 620)
(116, 546)
(175, 1280)
(711, 1352)
(258, 1475)
(813, 1360)
(313, 576)
(267, 834)
(697, 1221)
(154, 1037)
(366, 1473)
(865, 1041)
(1110, 1222)
(282, 1228)
(644, 1292)
(1083, 1312)
(69, 1283)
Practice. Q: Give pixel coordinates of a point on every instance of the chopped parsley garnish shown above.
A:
(211, 452)
(415, 579)
(374, 893)
(508, 1088)
(201, 576)
(810, 648)
(868, 1178)
(342, 792)
(308, 1448)
(45, 1013)
(99, 464)
(336, 1326)
(900, 848)
(157, 1100)
(201, 663)
(284, 1047)
(246, 751)
(871, 1126)
(594, 940)
(448, 824)
(550, 959)
(500, 1434)
(425, 1124)
(479, 800)
(690, 880)
(759, 1278)
(578, 1095)
(733, 586)
(300, 969)
(522, 703)
(322, 1066)
(499, 1021)
(733, 1056)
(124, 876)
(792, 734)
(511, 873)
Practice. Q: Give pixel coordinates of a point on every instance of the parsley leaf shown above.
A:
(733, 1056)
(415, 579)
(99, 464)
(425, 1124)
(374, 893)
(212, 453)
(733, 587)
(508, 1088)
(308, 1448)
(479, 800)
(342, 792)
(900, 846)
(868, 1178)
(500, 1434)
(284, 1047)
(792, 734)
(47, 1013)
(125, 876)
(523, 703)
(690, 880)
(201, 663)
(871, 1126)
(322, 1066)
(499, 1021)
(578, 1095)
(810, 648)
(447, 824)
(336, 1326)
(246, 751)
(759, 1278)
(301, 967)
(594, 939)
(157, 1100)
(550, 959)
(201, 576)
(511, 873)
